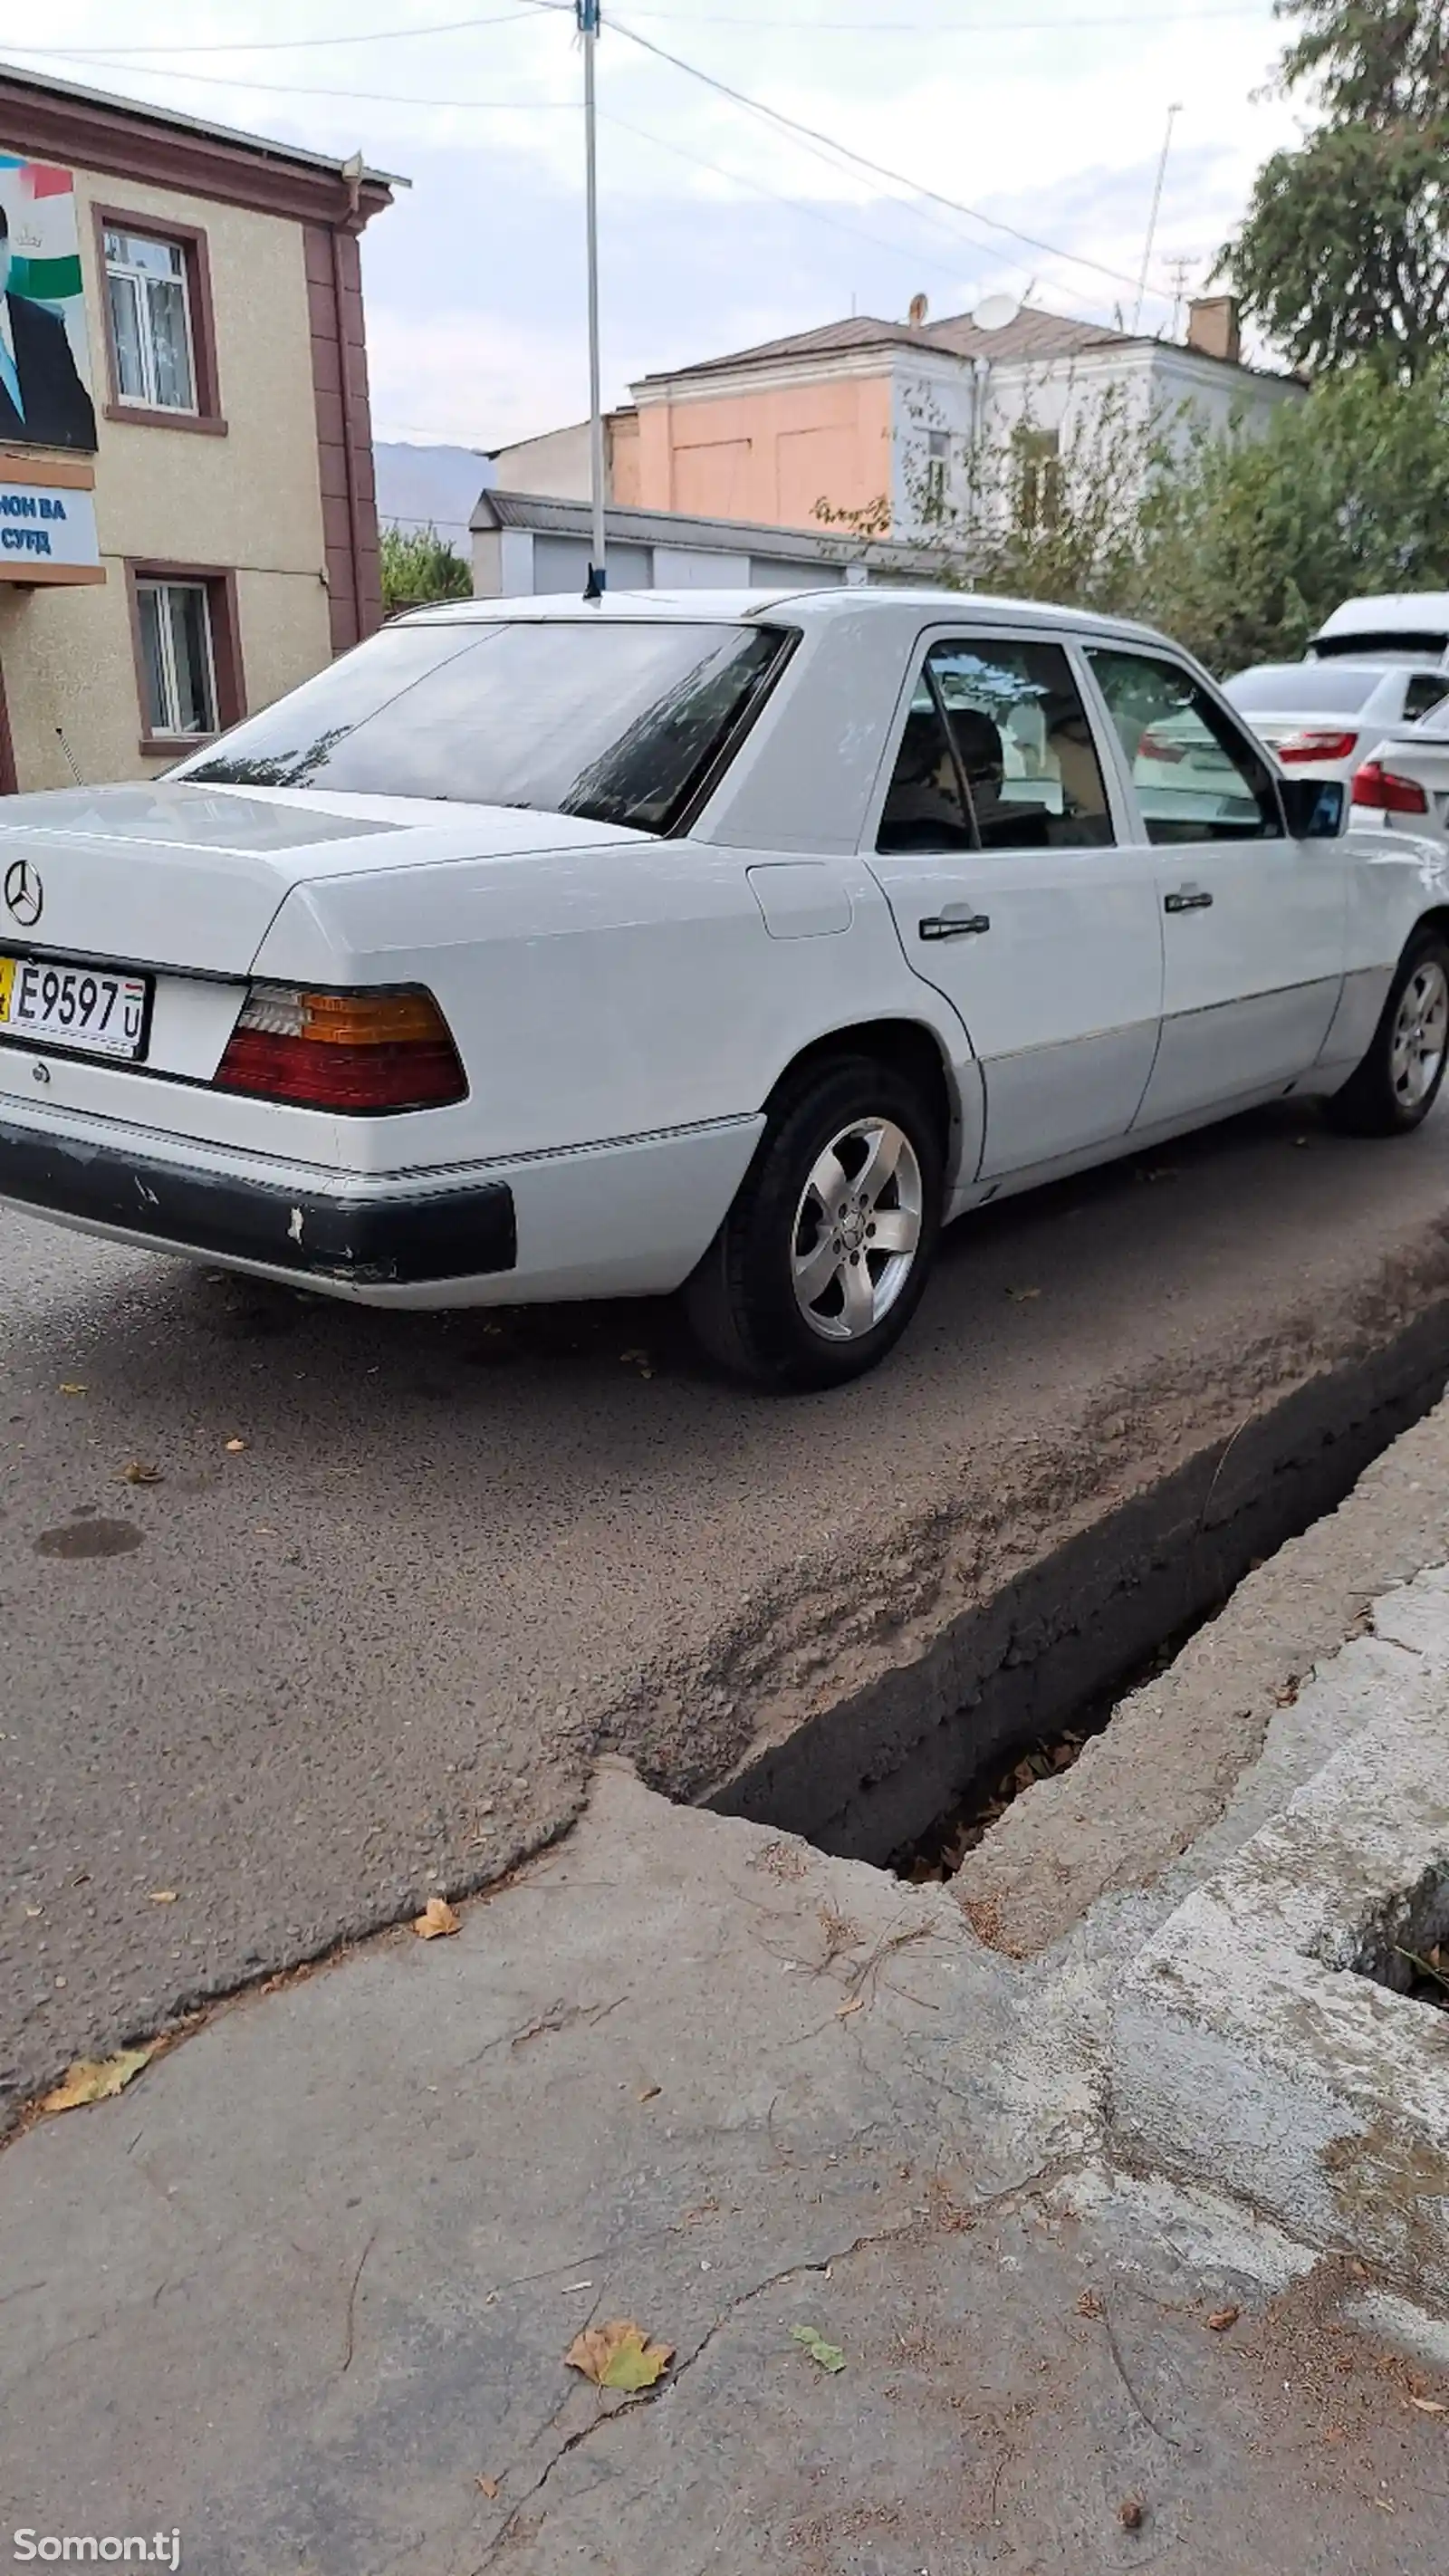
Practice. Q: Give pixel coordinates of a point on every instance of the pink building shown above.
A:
(864, 411)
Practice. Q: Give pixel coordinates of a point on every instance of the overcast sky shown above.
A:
(1044, 115)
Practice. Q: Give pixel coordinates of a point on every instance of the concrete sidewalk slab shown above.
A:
(1329, 2092)
(312, 2278)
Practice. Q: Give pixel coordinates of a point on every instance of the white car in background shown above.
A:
(1322, 718)
(727, 942)
(1404, 786)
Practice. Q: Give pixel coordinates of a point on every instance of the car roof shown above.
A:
(806, 606)
(1409, 612)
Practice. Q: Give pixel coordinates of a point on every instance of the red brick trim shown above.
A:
(207, 416)
(9, 777)
(226, 653)
(344, 433)
(75, 128)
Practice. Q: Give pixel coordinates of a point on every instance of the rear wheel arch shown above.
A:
(908, 1047)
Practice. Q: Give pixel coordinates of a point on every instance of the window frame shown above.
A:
(228, 689)
(1122, 766)
(1122, 814)
(208, 417)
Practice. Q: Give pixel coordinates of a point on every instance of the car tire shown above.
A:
(1398, 1082)
(798, 1289)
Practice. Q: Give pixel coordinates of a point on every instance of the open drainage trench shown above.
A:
(911, 1771)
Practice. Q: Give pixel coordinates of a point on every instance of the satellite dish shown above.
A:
(995, 311)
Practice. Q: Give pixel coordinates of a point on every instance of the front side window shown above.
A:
(621, 722)
(1197, 777)
(148, 296)
(177, 661)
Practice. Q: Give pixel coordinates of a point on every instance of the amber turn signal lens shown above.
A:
(347, 1051)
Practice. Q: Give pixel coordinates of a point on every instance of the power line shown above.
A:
(293, 44)
(944, 27)
(817, 214)
(813, 137)
(377, 97)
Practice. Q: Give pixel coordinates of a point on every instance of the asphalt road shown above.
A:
(277, 1696)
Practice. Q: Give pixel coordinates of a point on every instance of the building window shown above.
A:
(188, 664)
(160, 331)
(150, 310)
(938, 466)
(1038, 461)
(177, 657)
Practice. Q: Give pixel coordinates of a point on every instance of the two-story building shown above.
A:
(878, 416)
(187, 515)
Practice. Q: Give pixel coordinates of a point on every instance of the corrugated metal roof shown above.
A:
(546, 516)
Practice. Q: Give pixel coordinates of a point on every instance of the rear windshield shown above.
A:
(1299, 688)
(617, 722)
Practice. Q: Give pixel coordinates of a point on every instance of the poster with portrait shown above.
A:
(45, 359)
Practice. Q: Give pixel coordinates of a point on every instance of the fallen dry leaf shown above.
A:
(619, 2355)
(1129, 2513)
(163, 1896)
(828, 2356)
(1090, 2304)
(487, 2486)
(437, 1918)
(1429, 2406)
(73, 1386)
(853, 2003)
(647, 2092)
(1222, 2318)
(95, 2079)
(236, 1446)
(138, 1473)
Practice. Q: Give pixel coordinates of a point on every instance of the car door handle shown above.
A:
(955, 925)
(1186, 899)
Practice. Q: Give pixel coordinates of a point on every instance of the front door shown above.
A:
(1014, 895)
(1254, 923)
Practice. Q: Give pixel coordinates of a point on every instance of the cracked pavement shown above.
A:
(305, 2290)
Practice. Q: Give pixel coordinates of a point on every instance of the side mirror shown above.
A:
(1314, 807)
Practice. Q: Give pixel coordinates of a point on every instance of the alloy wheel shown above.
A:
(857, 1229)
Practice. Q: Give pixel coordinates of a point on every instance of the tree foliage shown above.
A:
(1236, 542)
(1344, 252)
(419, 565)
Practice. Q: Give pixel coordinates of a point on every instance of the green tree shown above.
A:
(1248, 543)
(1344, 253)
(419, 565)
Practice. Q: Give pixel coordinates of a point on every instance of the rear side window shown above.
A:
(623, 723)
(1426, 689)
(997, 754)
(1304, 688)
(1198, 778)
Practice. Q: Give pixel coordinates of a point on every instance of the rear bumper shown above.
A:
(342, 1239)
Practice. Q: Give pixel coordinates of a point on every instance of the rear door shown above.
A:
(1017, 893)
(1254, 923)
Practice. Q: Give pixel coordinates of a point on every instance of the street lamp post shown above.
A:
(587, 12)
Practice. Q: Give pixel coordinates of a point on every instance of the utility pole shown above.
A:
(1173, 113)
(587, 13)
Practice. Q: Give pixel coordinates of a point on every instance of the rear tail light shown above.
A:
(1309, 745)
(349, 1051)
(1383, 788)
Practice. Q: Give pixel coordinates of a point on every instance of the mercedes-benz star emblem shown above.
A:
(24, 893)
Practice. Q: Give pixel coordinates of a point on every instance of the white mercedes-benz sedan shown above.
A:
(727, 942)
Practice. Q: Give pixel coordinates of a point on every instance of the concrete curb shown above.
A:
(1248, 2046)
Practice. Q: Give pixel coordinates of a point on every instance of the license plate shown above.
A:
(93, 1010)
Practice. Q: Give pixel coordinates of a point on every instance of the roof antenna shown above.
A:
(70, 755)
(587, 15)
